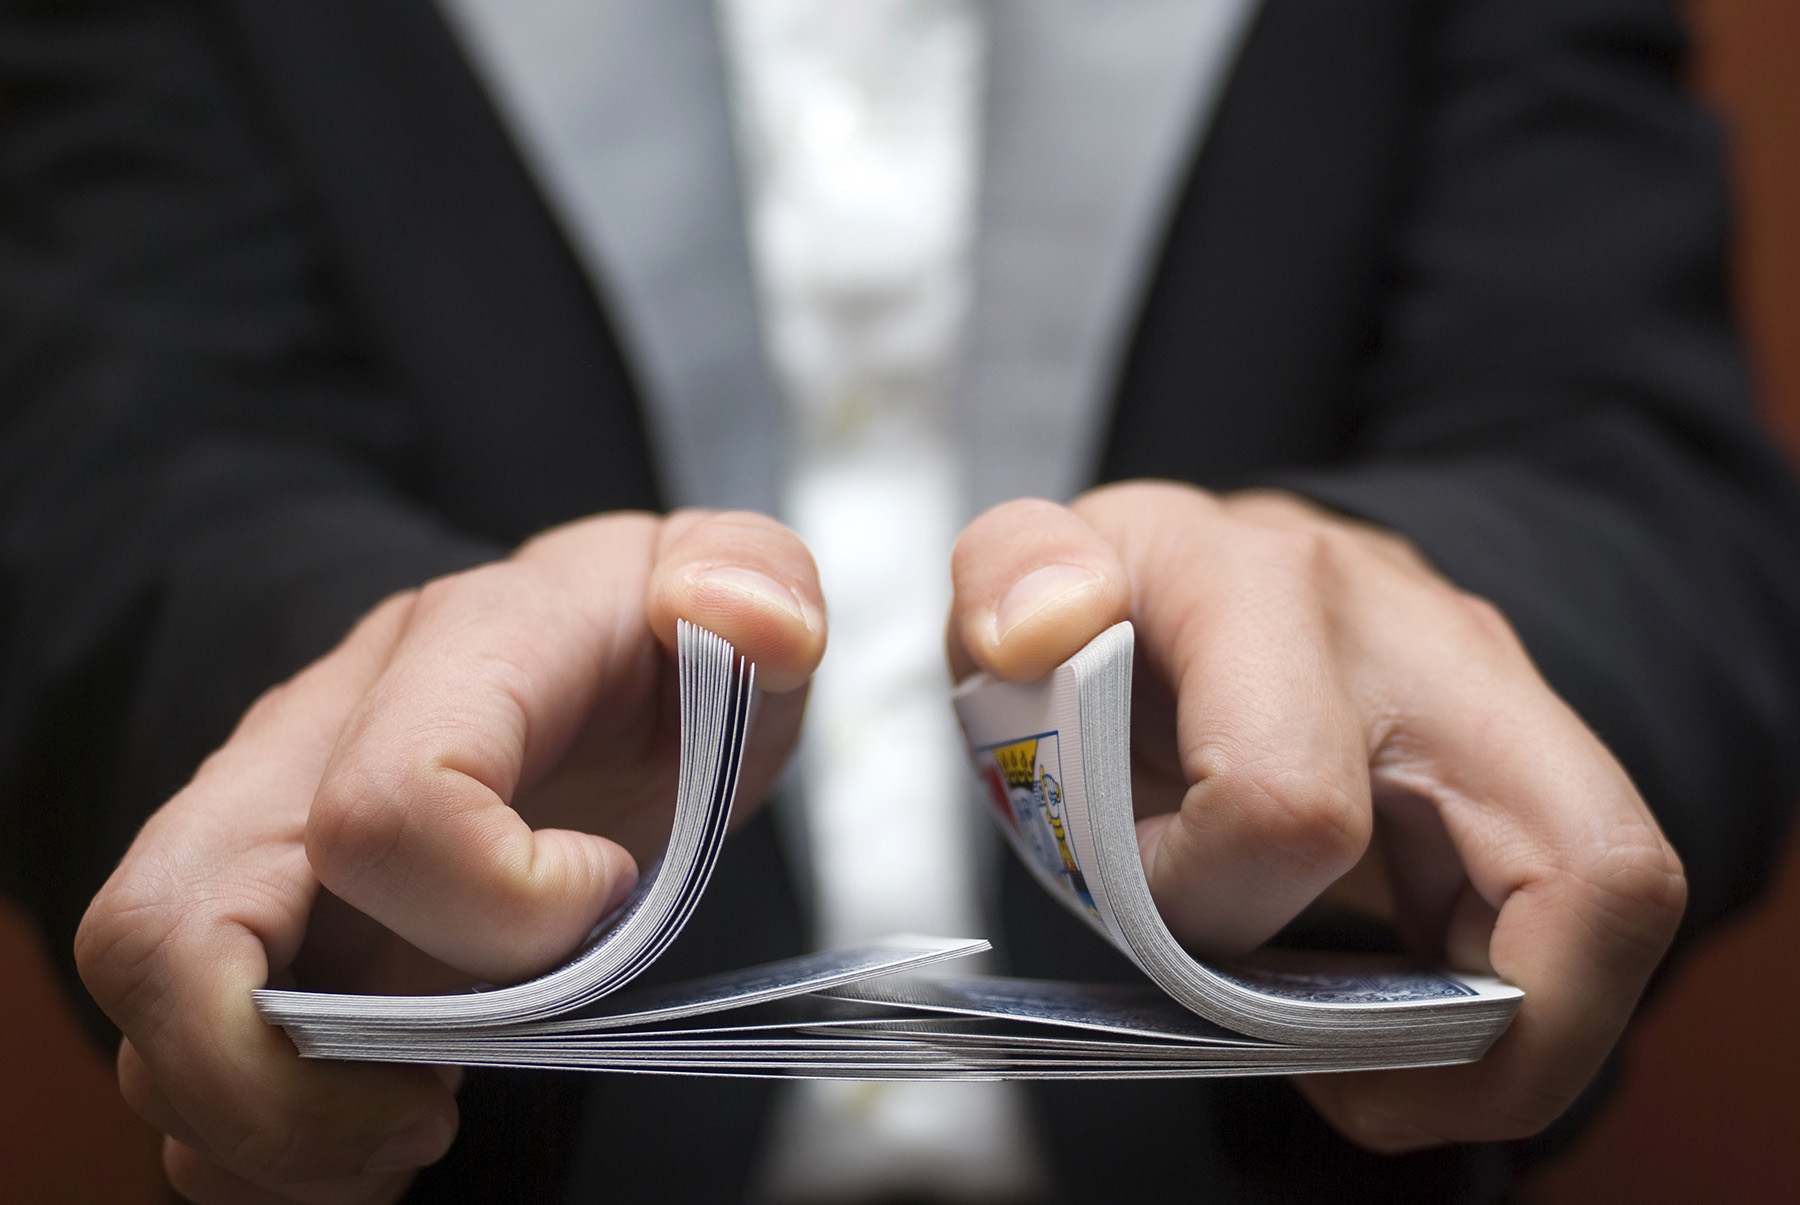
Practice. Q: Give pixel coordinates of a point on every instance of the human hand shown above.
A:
(444, 772)
(1318, 711)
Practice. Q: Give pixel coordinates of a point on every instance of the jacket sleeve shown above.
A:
(1553, 407)
(204, 479)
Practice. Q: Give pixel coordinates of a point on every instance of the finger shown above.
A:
(499, 672)
(197, 1178)
(1421, 876)
(750, 580)
(1034, 583)
(1270, 737)
(139, 1089)
(1571, 884)
(215, 888)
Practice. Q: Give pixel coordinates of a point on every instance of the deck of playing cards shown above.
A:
(1054, 758)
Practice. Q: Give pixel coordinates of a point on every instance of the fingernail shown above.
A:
(422, 1142)
(749, 584)
(1039, 589)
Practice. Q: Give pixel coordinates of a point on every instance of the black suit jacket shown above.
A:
(287, 327)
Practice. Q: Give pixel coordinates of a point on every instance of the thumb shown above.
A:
(1034, 584)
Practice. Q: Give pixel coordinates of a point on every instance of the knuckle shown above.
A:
(1308, 815)
(294, 1145)
(1309, 553)
(95, 937)
(1633, 893)
(265, 708)
(1326, 565)
(361, 814)
(276, 1152)
(118, 942)
(1485, 621)
(471, 588)
(355, 824)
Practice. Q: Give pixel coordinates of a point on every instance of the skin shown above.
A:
(427, 795)
(1322, 713)
(1319, 712)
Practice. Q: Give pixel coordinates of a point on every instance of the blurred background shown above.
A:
(1707, 1107)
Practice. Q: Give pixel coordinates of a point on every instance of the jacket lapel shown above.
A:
(1251, 346)
(621, 109)
(458, 275)
(1092, 113)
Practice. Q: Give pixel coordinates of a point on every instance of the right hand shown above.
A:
(444, 774)
(1318, 706)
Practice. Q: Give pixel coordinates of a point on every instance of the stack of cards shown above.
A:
(1054, 757)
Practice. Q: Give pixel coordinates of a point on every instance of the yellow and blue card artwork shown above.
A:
(1024, 784)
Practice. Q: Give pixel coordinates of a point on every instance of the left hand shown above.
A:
(1318, 710)
(458, 791)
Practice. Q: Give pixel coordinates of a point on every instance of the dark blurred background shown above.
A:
(1709, 1104)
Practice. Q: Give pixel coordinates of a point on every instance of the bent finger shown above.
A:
(500, 671)
(1270, 738)
(1573, 891)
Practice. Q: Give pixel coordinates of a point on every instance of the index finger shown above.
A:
(498, 673)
